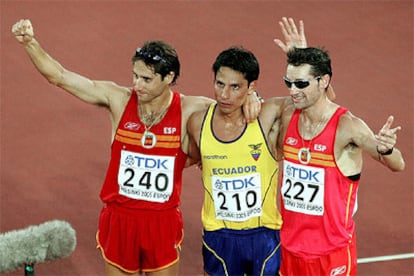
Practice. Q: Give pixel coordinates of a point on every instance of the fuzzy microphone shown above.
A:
(48, 241)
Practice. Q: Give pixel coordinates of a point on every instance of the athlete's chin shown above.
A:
(225, 107)
(299, 105)
(143, 97)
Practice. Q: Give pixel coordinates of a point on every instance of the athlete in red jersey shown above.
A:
(140, 227)
(144, 175)
(145, 180)
(315, 192)
(322, 145)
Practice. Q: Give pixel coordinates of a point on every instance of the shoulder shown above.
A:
(192, 104)
(275, 105)
(117, 96)
(112, 89)
(271, 110)
(352, 129)
(197, 117)
(195, 121)
(200, 102)
(117, 91)
(287, 110)
(349, 121)
(277, 101)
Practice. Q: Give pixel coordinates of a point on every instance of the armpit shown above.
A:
(354, 177)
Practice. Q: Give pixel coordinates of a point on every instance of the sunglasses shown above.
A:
(148, 55)
(300, 84)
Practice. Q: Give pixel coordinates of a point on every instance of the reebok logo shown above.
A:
(291, 141)
(338, 270)
(131, 125)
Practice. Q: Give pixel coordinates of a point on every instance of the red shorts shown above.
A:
(340, 262)
(140, 241)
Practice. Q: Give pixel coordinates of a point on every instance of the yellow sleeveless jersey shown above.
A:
(240, 180)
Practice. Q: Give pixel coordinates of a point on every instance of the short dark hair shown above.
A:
(161, 56)
(238, 59)
(318, 58)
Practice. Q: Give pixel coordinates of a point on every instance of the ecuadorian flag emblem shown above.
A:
(256, 151)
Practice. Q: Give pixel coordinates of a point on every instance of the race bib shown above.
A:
(237, 198)
(146, 177)
(303, 188)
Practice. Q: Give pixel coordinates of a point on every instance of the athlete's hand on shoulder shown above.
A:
(252, 106)
(293, 37)
(387, 136)
(23, 31)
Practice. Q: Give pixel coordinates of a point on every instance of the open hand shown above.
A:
(293, 37)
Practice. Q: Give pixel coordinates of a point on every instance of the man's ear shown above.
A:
(325, 80)
(170, 77)
(252, 87)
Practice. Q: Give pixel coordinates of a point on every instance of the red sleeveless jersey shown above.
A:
(145, 171)
(318, 201)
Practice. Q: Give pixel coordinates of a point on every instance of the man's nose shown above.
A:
(293, 90)
(138, 83)
(225, 93)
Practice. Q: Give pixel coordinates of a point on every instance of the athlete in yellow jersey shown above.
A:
(240, 179)
(240, 216)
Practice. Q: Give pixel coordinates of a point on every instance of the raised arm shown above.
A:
(380, 147)
(272, 108)
(94, 92)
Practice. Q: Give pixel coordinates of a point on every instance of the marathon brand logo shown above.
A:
(215, 156)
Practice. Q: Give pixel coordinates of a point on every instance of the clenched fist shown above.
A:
(23, 31)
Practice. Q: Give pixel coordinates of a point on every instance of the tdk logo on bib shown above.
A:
(147, 163)
(303, 174)
(234, 184)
